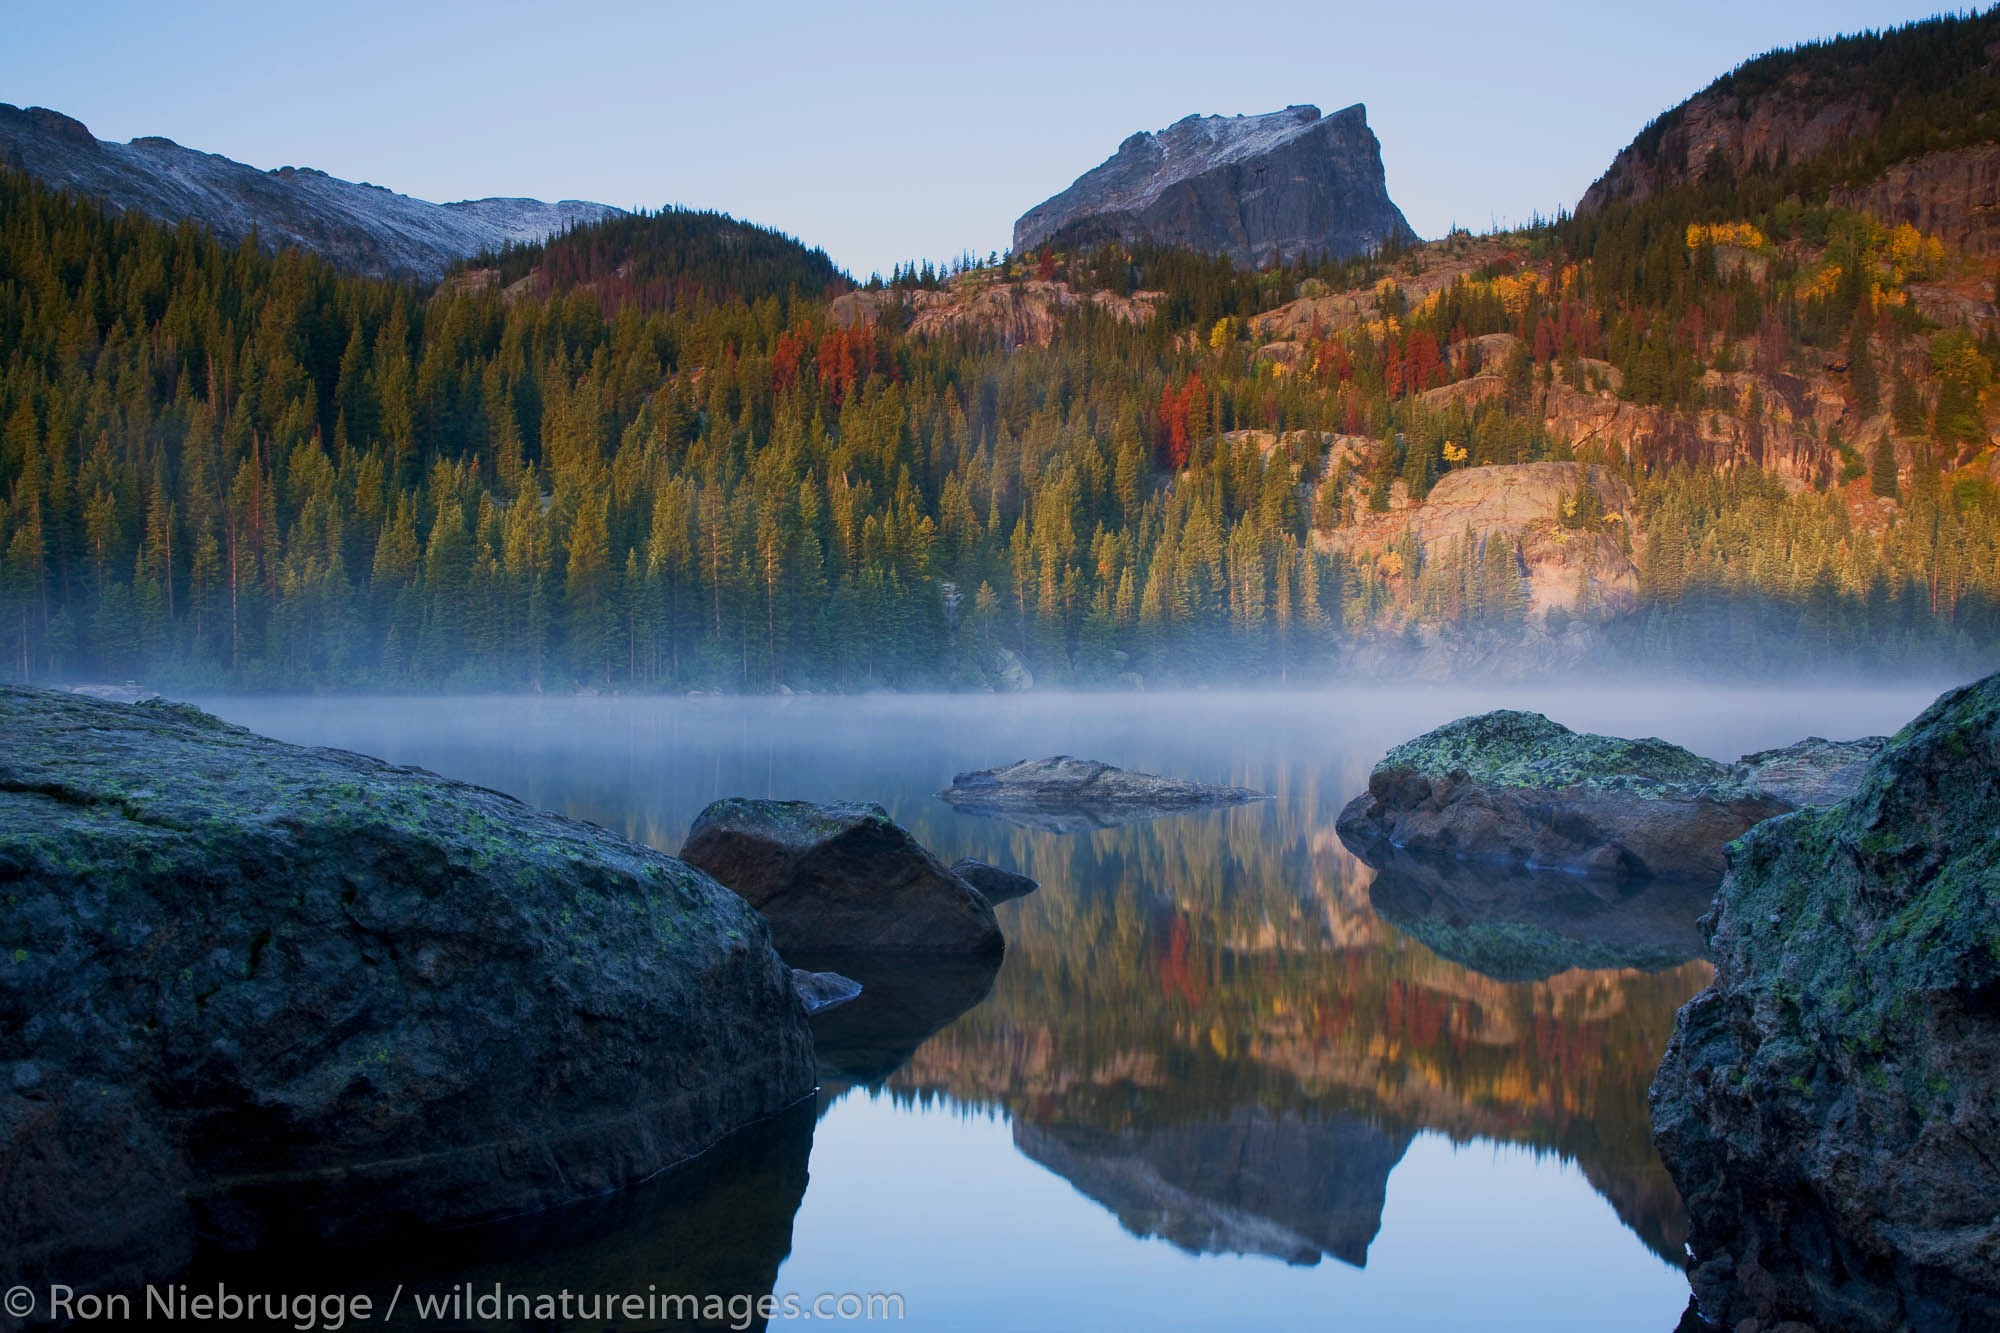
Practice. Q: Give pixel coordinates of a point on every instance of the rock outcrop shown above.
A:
(1517, 788)
(1827, 1105)
(363, 228)
(252, 992)
(1953, 195)
(839, 877)
(1065, 795)
(994, 884)
(1583, 572)
(1286, 185)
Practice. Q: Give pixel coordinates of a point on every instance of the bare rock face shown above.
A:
(1953, 195)
(1826, 1106)
(1583, 573)
(363, 228)
(1256, 188)
(841, 878)
(1517, 788)
(251, 992)
(1062, 794)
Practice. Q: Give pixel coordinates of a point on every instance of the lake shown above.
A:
(1226, 1076)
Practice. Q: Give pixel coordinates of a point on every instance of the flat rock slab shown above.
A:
(1516, 788)
(839, 877)
(1062, 794)
(250, 989)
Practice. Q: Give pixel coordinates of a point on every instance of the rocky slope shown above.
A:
(363, 228)
(1256, 188)
(1897, 117)
(251, 992)
(1827, 1105)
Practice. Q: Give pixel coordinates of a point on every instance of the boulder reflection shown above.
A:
(1207, 1026)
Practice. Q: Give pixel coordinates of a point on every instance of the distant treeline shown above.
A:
(219, 467)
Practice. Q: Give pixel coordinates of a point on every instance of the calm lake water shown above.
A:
(1226, 1077)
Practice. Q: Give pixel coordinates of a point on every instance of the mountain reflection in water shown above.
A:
(1222, 1028)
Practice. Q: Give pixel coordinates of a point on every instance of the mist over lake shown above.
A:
(1210, 1082)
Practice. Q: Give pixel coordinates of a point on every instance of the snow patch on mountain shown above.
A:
(362, 227)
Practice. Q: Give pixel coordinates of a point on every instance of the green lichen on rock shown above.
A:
(1826, 1106)
(1519, 789)
(264, 983)
(1509, 748)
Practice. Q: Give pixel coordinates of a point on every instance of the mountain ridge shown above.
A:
(366, 229)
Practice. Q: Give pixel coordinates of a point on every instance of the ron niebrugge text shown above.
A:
(328, 1313)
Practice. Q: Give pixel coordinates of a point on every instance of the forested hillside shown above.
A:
(657, 468)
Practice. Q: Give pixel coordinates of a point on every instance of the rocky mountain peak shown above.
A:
(1257, 188)
(364, 228)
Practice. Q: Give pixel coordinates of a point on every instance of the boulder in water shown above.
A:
(840, 878)
(1517, 788)
(1062, 794)
(251, 991)
(1826, 1106)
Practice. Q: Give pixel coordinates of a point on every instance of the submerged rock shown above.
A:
(839, 877)
(994, 884)
(1827, 1105)
(905, 999)
(819, 991)
(1515, 787)
(1065, 795)
(251, 991)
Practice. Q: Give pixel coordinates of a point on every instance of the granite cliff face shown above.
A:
(1256, 188)
(365, 229)
(1827, 1105)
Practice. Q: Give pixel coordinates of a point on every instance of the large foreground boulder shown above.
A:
(1062, 794)
(1827, 1106)
(840, 878)
(1516, 788)
(252, 992)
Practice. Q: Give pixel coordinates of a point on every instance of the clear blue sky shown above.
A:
(884, 131)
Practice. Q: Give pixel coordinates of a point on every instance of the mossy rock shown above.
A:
(250, 989)
(1827, 1105)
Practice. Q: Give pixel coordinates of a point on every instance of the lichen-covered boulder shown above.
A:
(250, 990)
(994, 884)
(842, 878)
(1515, 787)
(1828, 1105)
